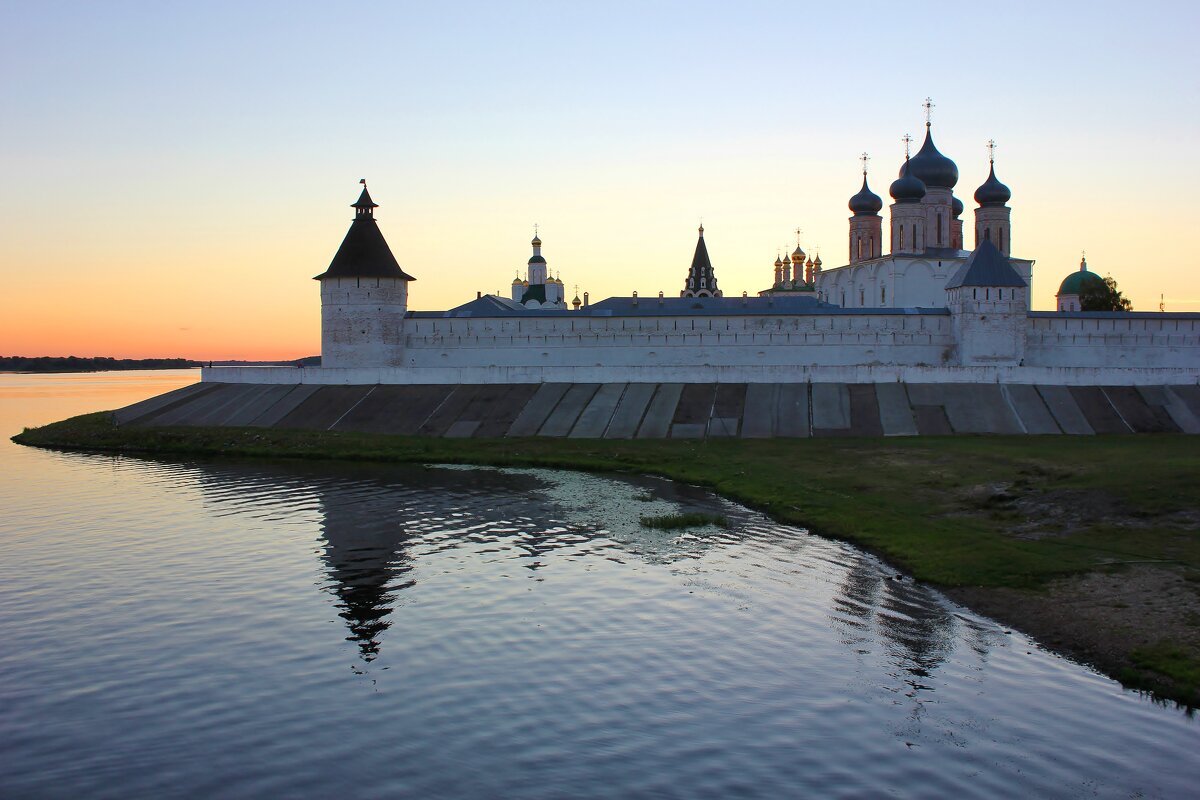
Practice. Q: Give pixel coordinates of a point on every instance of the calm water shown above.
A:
(243, 629)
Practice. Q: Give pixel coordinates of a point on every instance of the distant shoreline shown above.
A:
(33, 365)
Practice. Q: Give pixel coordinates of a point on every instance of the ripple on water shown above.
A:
(183, 629)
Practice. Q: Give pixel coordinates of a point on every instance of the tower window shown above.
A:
(987, 234)
(1000, 237)
(939, 229)
(901, 229)
(882, 295)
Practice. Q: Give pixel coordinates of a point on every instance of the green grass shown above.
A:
(994, 512)
(695, 519)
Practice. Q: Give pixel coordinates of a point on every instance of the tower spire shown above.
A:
(907, 139)
(991, 148)
(928, 106)
(364, 206)
(864, 158)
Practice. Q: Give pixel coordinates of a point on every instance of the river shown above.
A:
(256, 629)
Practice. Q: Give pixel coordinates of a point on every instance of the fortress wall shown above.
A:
(880, 373)
(1170, 341)
(699, 342)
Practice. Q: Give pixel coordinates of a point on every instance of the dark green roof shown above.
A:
(1076, 281)
(535, 292)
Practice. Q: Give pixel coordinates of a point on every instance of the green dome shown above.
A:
(1077, 281)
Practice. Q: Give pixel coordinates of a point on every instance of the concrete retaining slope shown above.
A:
(676, 410)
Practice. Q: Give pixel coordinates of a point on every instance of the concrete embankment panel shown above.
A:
(596, 415)
(1137, 413)
(154, 405)
(530, 420)
(565, 414)
(645, 410)
(1031, 411)
(324, 407)
(284, 406)
(1062, 406)
(895, 413)
(1174, 405)
(791, 411)
(657, 422)
(630, 410)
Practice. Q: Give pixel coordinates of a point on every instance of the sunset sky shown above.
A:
(175, 174)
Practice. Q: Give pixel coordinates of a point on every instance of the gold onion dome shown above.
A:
(536, 241)
(817, 261)
(517, 281)
(778, 262)
(797, 254)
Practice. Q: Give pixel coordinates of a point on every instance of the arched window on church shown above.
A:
(860, 249)
(862, 297)
(939, 231)
(843, 298)
(914, 243)
(900, 228)
(882, 295)
(987, 234)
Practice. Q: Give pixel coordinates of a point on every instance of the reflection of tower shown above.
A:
(367, 564)
(907, 617)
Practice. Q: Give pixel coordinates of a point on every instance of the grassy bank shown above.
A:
(1047, 533)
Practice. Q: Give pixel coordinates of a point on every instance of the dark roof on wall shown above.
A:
(364, 253)
(492, 306)
(987, 266)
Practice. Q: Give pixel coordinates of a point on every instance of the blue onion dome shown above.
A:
(933, 168)
(992, 192)
(865, 202)
(956, 206)
(908, 188)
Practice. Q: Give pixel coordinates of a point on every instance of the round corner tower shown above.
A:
(364, 297)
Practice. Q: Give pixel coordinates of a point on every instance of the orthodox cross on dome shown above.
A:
(864, 158)
(928, 106)
(907, 139)
(798, 232)
(991, 148)
(535, 230)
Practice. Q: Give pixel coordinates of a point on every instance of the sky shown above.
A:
(174, 174)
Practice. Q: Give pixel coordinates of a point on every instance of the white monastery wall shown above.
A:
(695, 343)
(1116, 341)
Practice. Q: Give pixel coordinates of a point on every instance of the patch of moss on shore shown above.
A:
(984, 513)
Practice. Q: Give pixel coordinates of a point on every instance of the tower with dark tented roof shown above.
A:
(988, 302)
(364, 297)
(701, 280)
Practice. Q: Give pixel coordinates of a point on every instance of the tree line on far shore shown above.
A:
(89, 364)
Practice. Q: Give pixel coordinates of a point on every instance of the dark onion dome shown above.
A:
(908, 188)
(1078, 281)
(865, 202)
(992, 192)
(933, 168)
(536, 260)
(956, 206)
